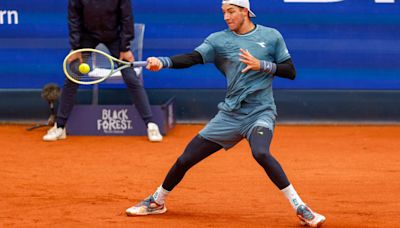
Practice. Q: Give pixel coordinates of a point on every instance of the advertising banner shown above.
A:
(335, 44)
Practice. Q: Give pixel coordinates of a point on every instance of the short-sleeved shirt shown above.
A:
(252, 91)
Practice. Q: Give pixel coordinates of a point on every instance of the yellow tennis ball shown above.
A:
(84, 68)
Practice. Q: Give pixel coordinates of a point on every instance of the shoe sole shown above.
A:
(316, 225)
(147, 213)
(158, 140)
(52, 140)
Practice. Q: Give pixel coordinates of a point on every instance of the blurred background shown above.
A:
(347, 56)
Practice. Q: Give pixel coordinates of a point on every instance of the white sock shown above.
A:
(292, 196)
(160, 195)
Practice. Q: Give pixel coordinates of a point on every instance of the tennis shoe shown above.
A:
(308, 217)
(55, 133)
(154, 133)
(146, 207)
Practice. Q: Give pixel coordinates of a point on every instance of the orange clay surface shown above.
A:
(351, 174)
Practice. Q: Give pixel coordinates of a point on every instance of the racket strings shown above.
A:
(100, 66)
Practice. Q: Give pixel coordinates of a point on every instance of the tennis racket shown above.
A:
(89, 66)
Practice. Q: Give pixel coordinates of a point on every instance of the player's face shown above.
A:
(234, 16)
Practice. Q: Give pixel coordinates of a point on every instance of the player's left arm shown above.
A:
(284, 65)
(284, 69)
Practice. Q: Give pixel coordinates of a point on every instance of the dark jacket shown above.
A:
(103, 20)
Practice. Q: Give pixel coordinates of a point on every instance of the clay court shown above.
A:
(351, 174)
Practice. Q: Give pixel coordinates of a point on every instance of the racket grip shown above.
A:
(139, 64)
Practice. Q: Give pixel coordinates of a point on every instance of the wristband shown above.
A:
(166, 61)
(267, 67)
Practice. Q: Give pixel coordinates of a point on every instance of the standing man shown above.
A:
(110, 22)
(249, 56)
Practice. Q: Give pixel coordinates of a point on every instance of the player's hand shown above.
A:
(75, 56)
(154, 64)
(248, 59)
(126, 56)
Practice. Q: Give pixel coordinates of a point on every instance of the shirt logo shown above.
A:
(262, 44)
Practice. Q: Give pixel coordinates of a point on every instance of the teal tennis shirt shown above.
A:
(251, 91)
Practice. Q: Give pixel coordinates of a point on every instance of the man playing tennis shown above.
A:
(249, 56)
(110, 22)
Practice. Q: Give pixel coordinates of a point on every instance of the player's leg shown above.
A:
(197, 150)
(138, 95)
(221, 132)
(260, 140)
(67, 101)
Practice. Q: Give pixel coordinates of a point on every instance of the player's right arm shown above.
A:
(204, 53)
(176, 61)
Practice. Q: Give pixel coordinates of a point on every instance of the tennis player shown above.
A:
(249, 56)
(110, 22)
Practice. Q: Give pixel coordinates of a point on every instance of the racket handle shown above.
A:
(139, 64)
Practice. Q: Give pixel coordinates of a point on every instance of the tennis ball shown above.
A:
(84, 68)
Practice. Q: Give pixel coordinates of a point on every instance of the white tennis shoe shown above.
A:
(154, 133)
(308, 217)
(55, 133)
(147, 207)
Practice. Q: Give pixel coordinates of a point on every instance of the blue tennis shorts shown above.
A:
(227, 129)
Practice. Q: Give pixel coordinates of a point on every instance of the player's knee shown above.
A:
(261, 154)
(260, 148)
